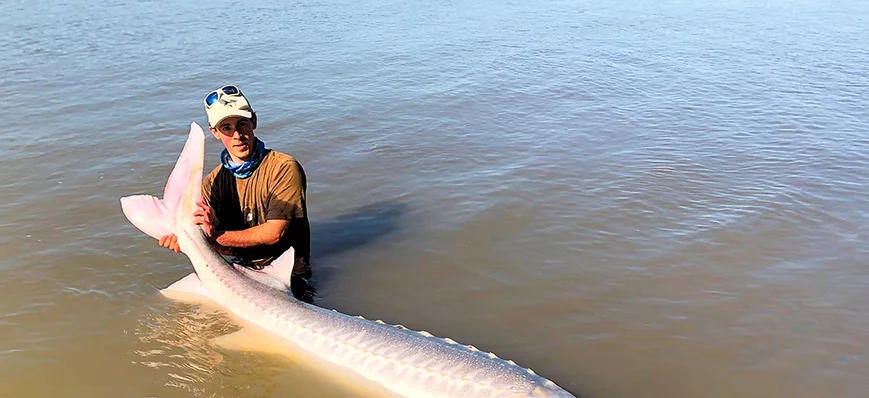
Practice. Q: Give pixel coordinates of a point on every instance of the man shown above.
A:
(254, 203)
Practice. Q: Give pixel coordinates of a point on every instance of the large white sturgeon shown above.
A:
(410, 363)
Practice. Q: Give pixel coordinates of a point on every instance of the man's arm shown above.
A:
(267, 233)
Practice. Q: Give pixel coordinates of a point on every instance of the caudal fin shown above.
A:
(157, 217)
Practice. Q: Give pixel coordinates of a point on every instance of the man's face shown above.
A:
(236, 134)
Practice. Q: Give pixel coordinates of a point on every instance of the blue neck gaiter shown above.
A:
(247, 168)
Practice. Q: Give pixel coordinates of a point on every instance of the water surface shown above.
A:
(639, 199)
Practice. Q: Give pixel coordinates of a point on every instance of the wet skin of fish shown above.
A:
(410, 363)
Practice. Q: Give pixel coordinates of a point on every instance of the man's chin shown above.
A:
(242, 155)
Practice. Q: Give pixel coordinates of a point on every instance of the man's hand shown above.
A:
(170, 242)
(204, 217)
(201, 216)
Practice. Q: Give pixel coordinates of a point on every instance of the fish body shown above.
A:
(409, 363)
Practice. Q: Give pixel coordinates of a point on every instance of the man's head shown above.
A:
(232, 121)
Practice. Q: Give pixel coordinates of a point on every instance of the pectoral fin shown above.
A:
(249, 339)
(282, 267)
(188, 289)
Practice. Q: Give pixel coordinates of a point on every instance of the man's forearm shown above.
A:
(268, 233)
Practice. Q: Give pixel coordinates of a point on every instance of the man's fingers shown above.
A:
(202, 215)
(202, 220)
(170, 242)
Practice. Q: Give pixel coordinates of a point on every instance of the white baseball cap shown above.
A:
(225, 102)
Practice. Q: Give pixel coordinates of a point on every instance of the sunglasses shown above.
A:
(213, 96)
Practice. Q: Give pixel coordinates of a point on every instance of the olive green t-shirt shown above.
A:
(275, 191)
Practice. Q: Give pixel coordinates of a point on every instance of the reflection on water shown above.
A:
(177, 342)
(176, 346)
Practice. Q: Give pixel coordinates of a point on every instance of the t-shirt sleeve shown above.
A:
(287, 199)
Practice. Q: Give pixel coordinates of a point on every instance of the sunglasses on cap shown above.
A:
(213, 96)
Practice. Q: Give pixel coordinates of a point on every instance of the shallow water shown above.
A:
(634, 199)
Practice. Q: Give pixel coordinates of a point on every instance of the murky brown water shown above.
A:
(634, 200)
